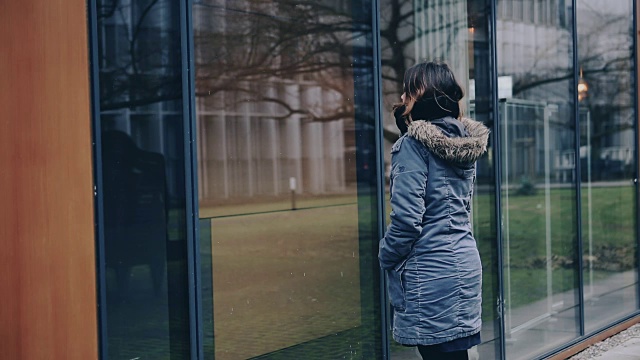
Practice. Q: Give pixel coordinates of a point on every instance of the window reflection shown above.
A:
(538, 176)
(607, 148)
(141, 127)
(457, 33)
(284, 160)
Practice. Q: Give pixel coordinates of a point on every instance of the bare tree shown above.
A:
(239, 48)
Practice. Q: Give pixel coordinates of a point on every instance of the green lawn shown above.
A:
(612, 232)
(284, 277)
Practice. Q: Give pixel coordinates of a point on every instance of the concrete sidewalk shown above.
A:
(629, 350)
(622, 346)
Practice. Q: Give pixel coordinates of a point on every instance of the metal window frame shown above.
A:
(191, 179)
(496, 133)
(578, 168)
(636, 127)
(497, 168)
(190, 168)
(96, 133)
(385, 319)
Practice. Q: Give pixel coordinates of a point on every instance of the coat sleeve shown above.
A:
(408, 185)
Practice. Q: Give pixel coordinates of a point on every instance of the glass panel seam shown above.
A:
(497, 168)
(637, 141)
(380, 168)
(96, 133)
(191, 186)
(577, 168)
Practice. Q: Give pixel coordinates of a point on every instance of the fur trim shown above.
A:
(461, 150)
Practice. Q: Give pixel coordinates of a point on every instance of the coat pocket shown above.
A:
(396, 287)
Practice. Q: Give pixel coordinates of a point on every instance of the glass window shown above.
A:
(563, 13)
(517, 10)
(607, 159)
(529, 11)
(287, 179)
(507, 7)
(455, 32)
(538, 184)
(541, 9)
(143, 164)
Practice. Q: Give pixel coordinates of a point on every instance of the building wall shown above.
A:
(47, 253)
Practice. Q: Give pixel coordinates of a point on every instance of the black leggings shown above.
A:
(428, 353)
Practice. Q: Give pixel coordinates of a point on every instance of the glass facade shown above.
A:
(241, 166)
(140, 175)
(538, 185)
(456, 32)
(287, 186)
(608, 164)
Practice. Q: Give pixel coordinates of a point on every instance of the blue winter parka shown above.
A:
(433, 269)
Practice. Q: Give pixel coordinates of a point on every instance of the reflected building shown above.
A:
(441, 30)
(534, 57)
(256, 149)
(269, 123)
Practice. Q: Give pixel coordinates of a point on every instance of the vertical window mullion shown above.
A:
(191, 179)
(97, 169)
(497, 169)
(577, 169)
(636, 90)
(380, 169)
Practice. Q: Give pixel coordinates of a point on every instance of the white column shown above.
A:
(312, 142)
(215, 166)
(268, 144)
(312, 154)
(291, 139)
(245, 181)
(333, 146)
(203, 189)
(444, 35)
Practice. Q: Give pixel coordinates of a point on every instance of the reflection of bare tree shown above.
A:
(604, 50)
(243, 43)
(259, 41)
(139, 58)
(605, 56)
(543, 70)
(267, 71)
(423, 30)
(397, 35)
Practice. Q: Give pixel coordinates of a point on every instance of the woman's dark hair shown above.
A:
(431, 91)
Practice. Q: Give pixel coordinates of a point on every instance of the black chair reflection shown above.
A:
(135, 210)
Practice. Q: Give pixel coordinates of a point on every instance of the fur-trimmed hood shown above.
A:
(455, 149)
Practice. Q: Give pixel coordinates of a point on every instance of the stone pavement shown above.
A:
(622, 346)
(629, 350)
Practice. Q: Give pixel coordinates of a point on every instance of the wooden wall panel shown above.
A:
(47, 266)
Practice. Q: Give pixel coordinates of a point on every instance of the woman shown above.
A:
(434, 275)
